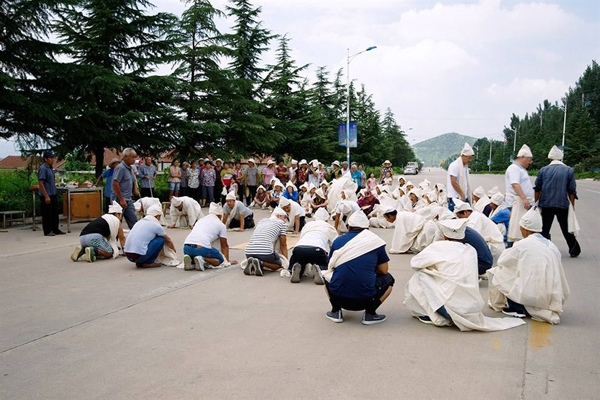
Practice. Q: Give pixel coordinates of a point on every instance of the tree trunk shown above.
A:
(98, 151)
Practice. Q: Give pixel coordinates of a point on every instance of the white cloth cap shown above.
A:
(176, 201)
(525, 151)
(401, 177)
(432, 196)
(453, 228)
(278, 211)
(460, 205)
(230, 196)
(345, 208)
(497, 198)
(304, 185)
(261, 187)
(321, 214)
(467, 150)
(302, 162)
(555, 153)
(358, 220)
(387, 162)
(493, 191)
(290, 184)
(277, 183)
(270, 162)
(215, 209)
(409, 183)
(320, 193)
(325, 183)
(138, 206)
(294, 162)
(336, 162)
(251, 160)
(479, 191)
(314, 163)
(445, 214)
(115, 208)
(283, 202)
(154, 210)
(532, 220)
(388, 209)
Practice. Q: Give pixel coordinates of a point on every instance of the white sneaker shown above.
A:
(187, 263)
(199, 263)
(90, 254)
(295, 278)
(317, 274)
(77, 253)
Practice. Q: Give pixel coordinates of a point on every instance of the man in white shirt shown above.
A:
(459, 182)
(198, 244)
(519, 191)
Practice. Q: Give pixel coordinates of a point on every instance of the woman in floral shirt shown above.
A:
(208, 178)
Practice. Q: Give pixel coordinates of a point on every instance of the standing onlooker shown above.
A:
(238, 172)
(371, 182)
(363, 177)
(226, 175)
(200, 167)
(147, 174)
(555, 192)
(302, 173)
(282, 172)
(519, 191)
(293, 169)
(251, 180)
(174, 180)
(458, 179)
(208, 178)
(356, 176)
(322, 173)
(313, 173)
(108, 175)
(268, 173)
(194, 181)
(387, 167)
(183, 189)
(218, 185)
(125, 185)
(47, 193)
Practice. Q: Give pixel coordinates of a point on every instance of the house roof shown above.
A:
(20, 162)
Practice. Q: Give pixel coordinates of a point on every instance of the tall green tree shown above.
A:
(204, 86)
(399, 152)
(113, 99)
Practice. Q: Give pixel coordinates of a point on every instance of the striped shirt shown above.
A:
(265, 235)
(556, 182)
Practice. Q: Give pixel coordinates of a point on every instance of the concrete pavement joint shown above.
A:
(224, 270)
(523, 382)
(24, 253)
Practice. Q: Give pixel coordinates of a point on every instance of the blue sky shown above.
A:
(443, 66)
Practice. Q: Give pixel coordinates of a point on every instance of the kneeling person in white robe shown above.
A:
(357, 277)
(147, 240)
(529, 279)
(260, 252)
(198, 244)
(143, 204)
(99, 238)
(312, 250)
(385, 218)
(184, 212)
(445, 288)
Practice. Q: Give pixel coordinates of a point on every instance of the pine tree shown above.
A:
(203, 92)
(400, 151)
(113, 99)
(248, 126)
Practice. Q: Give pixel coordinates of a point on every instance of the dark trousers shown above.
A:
(252, 191)
(370, 305)
(241, 191)
(49, 215)
(248, 222)
(183, 191)
(194, 193)
(146, 192)
(308, 255)
(562, 214)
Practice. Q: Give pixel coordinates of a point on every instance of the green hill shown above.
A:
(432, 151)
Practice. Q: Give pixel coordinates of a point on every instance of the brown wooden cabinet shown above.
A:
(84, 205)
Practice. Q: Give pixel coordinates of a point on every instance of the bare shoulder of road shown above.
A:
(108, 330)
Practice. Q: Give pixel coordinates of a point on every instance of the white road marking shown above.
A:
(595, 191)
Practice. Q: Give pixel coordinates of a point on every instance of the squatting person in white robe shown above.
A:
(444, 289)
(184, 212)
(519, 191)
(357, 275)
(143, 204)
(529, 279)
(312, 250)
(198, 248)
(480, 199)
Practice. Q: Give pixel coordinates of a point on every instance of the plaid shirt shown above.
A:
(556, 182)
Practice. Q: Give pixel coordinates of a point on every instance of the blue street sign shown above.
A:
(353, 135)
(489, 162)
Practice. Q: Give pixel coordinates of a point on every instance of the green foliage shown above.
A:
(76, 161)
(15, 192)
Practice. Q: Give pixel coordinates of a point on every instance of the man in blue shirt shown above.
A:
(125, 185)
(556, 190)
(360, 278)
(47, 192)
(108, 177)
(147, 174)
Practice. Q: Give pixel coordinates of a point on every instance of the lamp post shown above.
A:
(349, 59)
(564, 127)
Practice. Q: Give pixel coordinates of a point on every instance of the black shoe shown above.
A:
(513, 313)
(59, 232)
(335, 316)
(425, 319)
(257, 267)
(372, 319)
(249, 270)
(296, 268)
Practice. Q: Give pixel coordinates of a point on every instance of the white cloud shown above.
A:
(524, 90)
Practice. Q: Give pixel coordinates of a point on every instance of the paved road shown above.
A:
(106, 330)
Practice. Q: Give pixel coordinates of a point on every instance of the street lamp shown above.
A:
(349, 59)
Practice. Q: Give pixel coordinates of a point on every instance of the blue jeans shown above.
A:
(208, 193)
(129, 214)
(154, 248)
(206, 252)
(451, 204)
(174, 186)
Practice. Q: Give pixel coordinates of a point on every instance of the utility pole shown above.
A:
(564, 128)
(490, 160)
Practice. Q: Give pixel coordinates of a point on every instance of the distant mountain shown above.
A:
(432, 151)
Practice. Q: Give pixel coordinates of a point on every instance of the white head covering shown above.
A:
(324, 183)
(497, 198)
(321, 214)
(358, 220)
(154, 210)
(215, 209)
(176, 201)
(532, 220)
(453, 228)
(290, 184)
(314, 163)
(277, 183)
(230, 196)
(304, 185)
(414, 191)
(138, 206)
(303, 162)
(467, 150)
(345, 208)
(479, 192)
(493, 191)
(283, 202)
(261, 187)
(445, 214)
(432, 196)
(294, 162)
(311, 187)
(555, 153)
(278, 211)
(251, 160)
(115, 208)
(409, 183)
(401, 177)
(387, 162)
(388, 209)
(336, 162)
(460, 205)
(525, 151)
(270, 162)
(348, 194)
(320, 193)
